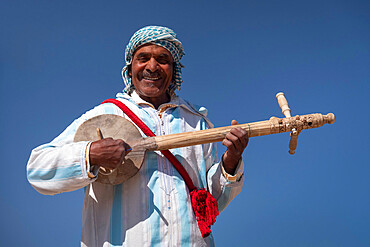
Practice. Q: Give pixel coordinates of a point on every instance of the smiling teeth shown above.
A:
(151, 78)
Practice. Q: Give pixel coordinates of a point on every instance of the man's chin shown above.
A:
(152, 82)
(151, 92)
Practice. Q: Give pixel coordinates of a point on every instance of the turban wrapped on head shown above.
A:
(161, 36)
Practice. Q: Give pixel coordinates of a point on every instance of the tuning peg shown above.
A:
(283, 103)
(293, 141)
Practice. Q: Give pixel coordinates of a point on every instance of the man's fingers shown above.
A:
(108, 152)
(235, 141)
(229, 145)
(242, 135)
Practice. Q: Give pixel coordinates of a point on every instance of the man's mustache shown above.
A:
(151, 75)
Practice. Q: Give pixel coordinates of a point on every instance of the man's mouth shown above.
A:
(151, 78)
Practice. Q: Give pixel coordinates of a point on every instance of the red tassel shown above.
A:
(205, 208)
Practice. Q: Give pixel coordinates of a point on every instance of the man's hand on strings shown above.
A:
(108, 153)
(235, 141)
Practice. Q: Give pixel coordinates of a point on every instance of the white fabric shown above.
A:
(153, 207)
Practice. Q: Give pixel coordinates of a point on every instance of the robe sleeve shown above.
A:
(60, 166)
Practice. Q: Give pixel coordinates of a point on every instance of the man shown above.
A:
(152, 208)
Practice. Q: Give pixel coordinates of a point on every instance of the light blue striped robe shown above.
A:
(153, 207)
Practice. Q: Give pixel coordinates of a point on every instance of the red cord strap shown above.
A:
(204, 205)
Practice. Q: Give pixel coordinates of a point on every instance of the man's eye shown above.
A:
(163, 61)
(142, 59)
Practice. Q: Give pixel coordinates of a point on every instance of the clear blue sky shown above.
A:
(61, 58)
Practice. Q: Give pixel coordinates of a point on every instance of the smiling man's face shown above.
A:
(151, 73)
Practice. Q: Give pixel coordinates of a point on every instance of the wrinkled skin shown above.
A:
(151, 73)
(108, 153)
(235, 141)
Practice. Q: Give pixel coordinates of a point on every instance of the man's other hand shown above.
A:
(235, 141)
(108, 153)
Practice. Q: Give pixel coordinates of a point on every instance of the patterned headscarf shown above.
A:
(161, 36)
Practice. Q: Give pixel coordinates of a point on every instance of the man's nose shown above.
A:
(152, 65)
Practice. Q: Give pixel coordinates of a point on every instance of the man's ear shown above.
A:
(129, 70)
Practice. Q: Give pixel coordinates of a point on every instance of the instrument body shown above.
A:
(116, 127)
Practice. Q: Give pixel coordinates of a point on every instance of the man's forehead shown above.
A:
(152, 48)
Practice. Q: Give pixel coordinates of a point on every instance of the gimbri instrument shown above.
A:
(118, 127)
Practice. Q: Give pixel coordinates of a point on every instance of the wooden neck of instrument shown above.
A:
(267, 127)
